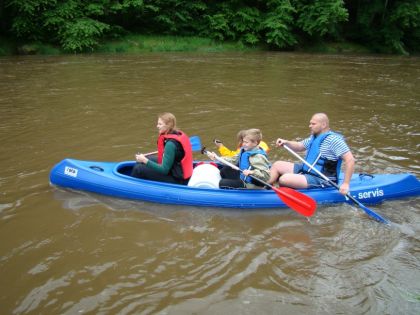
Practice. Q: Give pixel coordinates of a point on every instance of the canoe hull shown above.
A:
(112, 179)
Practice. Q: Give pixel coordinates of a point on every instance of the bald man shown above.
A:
(325, 150)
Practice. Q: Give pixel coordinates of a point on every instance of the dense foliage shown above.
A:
(79, 25)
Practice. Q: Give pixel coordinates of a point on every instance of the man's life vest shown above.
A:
(329, 168)
(244, 163)
(183, 158)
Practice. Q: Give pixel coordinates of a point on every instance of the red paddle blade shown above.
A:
(297, 201)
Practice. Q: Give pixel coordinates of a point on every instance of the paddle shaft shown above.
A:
(150, 153)
(221, 160)
(367, 210)
(195, 145)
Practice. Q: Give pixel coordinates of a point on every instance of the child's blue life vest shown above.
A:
(244, 163)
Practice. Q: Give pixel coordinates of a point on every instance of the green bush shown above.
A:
(82, 34)
(278, 23)
(322, 17)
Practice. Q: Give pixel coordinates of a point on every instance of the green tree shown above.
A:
(75, 25)
(321, 18)
(278, 24)
(80, 25)
(386, 25)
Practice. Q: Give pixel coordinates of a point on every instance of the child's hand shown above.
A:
(218, 143)
(247, 172)
(211, 155)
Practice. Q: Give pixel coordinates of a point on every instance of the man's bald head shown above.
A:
(319, 123)
(322, 118)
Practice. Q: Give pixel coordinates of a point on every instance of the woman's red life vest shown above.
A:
(187, 160)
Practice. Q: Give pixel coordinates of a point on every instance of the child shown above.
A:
(225, 152)
(251, 159)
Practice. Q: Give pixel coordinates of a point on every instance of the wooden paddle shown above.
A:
(368, 211)
(195, 145)
(297, 201)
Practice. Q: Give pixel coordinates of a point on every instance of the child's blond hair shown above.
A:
(240, 137)
(254, 134)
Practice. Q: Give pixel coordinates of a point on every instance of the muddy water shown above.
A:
(66, 252)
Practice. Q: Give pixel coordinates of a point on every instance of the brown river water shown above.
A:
(68, 252)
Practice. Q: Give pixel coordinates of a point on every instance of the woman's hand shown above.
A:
(141, 158)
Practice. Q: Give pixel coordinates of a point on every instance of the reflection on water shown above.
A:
(68, 252)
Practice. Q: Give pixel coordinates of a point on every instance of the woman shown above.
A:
(174, 163)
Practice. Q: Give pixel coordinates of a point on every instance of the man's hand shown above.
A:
(281, 142)
(344, 188)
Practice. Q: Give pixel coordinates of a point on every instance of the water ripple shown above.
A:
(65, 252)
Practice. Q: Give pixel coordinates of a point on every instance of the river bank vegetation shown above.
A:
(72, 26)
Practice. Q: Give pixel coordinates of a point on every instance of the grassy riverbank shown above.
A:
(130, 44)
(133, 44)
(142, 43)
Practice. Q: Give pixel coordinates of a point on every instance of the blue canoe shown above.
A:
(112, 179)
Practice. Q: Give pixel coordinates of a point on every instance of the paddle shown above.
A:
(368, 211)
(297, 201)
(195, 145)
